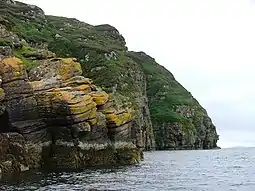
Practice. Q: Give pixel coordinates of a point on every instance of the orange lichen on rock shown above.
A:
(12, 69)
(69, 97)
(118, 119)
(83, 87)
(99, 97)
(69, 68)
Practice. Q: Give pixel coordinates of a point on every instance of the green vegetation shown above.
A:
(33, 32)
(21, 19)
(84, 36)
(163, 91)
(21, 52)
(5, 43)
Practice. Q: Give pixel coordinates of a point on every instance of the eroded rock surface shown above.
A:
(61, 117)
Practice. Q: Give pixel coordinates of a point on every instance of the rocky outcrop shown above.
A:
(197, 132)
(14, 155)
(99, 51)
(61, 117)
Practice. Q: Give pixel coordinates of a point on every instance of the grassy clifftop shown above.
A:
(163, 91)
(179, 121)
(161, 106)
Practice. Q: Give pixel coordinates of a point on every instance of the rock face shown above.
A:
(57, 117)
(14, 155)
(179, 122)
(61, 118)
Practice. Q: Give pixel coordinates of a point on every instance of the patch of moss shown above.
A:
(5, 43)
(25, 50)
(20, 52)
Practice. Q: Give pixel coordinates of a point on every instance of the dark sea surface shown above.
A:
(213, 170)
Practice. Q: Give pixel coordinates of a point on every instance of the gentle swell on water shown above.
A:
(213, 170)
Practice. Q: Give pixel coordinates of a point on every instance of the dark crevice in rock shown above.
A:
(5, 124)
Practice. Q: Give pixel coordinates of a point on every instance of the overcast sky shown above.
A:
(209, 45)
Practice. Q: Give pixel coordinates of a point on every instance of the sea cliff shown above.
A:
(72, 95)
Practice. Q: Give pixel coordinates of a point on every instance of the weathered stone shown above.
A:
(38, 153)
(12, 69)
(76, 81)
(2, 94)
(45, 84)
(64, 68)
(80, 129)
(23, 168)
(99, 97)
(13, 152)
(49, 111)
(2, 110)
(66, 155)
(99, 130)
(8, 37)
(5, 51)
(118, 119)
(40, 54)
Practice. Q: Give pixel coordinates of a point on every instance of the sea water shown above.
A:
(200, 170)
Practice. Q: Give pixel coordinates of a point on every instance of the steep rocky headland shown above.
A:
(72, 95)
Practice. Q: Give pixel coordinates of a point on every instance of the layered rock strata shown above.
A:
(60, 118)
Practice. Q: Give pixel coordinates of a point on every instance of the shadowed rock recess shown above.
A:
(53, 115)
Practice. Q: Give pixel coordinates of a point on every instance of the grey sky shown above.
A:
(208, 45)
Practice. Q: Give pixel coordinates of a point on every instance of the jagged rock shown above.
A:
(9, 38)
(87, 154)
(100, 98)
(64, 68)
(59, 107)
(12, 69)
(39, 54)
(118, 119)
(99, 131)
(111, 32)
(5, 51)
(13, 153)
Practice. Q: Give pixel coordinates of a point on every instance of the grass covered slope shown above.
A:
(160, 105)
(163, 91)
(179, 122)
